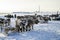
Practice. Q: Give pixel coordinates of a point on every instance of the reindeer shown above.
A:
(4, 23)
(45, 19)
(24, 24)
(30, 23)
(18, 27)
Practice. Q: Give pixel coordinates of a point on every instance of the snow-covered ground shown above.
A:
(45, 31)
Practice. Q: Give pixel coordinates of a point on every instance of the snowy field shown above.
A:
(45, 31)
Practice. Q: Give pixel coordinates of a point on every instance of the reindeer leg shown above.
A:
(32, 26)
(6, 30)
(26, 28)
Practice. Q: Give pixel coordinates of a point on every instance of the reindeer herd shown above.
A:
(22, 23)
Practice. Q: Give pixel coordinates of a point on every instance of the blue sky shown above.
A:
(29, 5)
